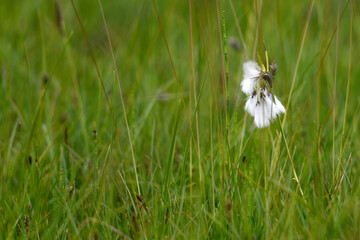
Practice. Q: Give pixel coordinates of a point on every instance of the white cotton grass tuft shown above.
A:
(261, 104)
(252, 72)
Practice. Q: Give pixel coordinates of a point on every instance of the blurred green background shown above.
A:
(67, 166)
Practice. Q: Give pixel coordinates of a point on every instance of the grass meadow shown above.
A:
(125, 120)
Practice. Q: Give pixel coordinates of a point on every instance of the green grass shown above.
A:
(148, 139)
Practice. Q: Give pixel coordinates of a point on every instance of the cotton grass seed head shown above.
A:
(257, 85)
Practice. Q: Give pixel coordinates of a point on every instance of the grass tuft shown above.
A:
(125, 120)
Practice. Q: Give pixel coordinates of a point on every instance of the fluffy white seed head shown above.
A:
(262, 107)
(250, 105)
(279, 105)
(252, 73)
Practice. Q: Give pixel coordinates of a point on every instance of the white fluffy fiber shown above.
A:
(251, 74)
(264, 109)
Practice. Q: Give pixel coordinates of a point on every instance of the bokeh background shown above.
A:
(70, 170)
